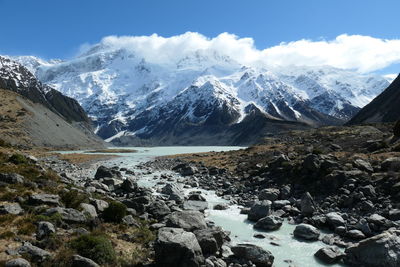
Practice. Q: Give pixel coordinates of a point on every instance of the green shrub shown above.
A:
(95, 247)
(73, 198)
(115, 212)
(18, 159)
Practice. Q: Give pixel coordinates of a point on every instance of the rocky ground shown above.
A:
(342, 179)
(345, 179)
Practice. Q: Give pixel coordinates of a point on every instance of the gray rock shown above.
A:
(112, 183)
(257, 255)
(49, 199)
(269, 223)
(176, 247)
(68, 214)
(391, 164)
(130, 221)
(307, 204)
(104, 172)
(311, 163)
(278, 204)
(129, 185)
(259, 210)
(35, 253)
(376, 219)
(188, 220)
(270, 194)
(89, 210)
(306, 231)
(376, 251)
(79, 261)
(368, 191)
(329, 255)
(174, 191)
(11, 178)
(394, 214)
(334, 219)
(99, 204)
(210, 240)
(195, 205)
(158, 209)
(355, 234)
(363, 165)
(44, 229)
(11, 208)
(213, 261)
(19, 262)
(221, 206)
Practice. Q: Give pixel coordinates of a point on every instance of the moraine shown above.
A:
(290, 252)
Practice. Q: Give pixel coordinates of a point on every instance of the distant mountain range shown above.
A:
(202, 97)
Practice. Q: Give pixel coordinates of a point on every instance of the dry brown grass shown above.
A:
(113, 150)
(78, 158)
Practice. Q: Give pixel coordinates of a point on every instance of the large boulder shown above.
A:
(177, 248)
(271, 194)
(44, 229)
(104, 172)
(269, 223)
(391, 164)
(174, 192)
(379, 250)
(48, 199)
(188, 220)
(158, 209)
(334, 219)
(257, 255)
(68, 215)
(259, 210)
(36, 254)
(11, 208)
(329, 255)
(210, 240)
(307, 204)
(195, 205)
(18, 262)
(11, 178)
(79, 261)
(306, 231)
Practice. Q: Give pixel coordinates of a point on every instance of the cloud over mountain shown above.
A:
(361, 53)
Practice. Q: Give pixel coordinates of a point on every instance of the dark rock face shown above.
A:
(176, 247)
(379, 250)
(384, 108)
(257, 255)
(329, 255)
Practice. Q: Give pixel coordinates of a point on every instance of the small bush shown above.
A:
(18, 159)
(115, 212)
(95, 247)
(73, 198)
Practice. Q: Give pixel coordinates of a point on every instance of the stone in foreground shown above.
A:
(306, 231)
(257, 255)
(329, 255)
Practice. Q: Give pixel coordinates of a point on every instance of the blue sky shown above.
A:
(56, 29)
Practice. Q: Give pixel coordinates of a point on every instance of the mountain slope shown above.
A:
(35, 114)
(384, 108)
(137, 98)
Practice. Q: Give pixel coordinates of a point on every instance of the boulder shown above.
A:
(210, 240)
(270, 194)
(257, 255)
(79, 261)
(18, 262)
(394, 214)
(67, 214)
(44, 229)
(195, 205)
(311, 163)
(259, 210)
(11, 178)
(34, 253)
(269, 223)
(379, 250)
(307, 204)
(306, 231)
(130, 221)
(174, 192)
(334, 219)
(11, 208)
(48, 199)
(129, 185)
(363, 165)
(221, 206)
(104, 172)
(329, 255)
(89, 210)
(177, 248)
(391, 164)
(188, 220)
(355, 234)
(99, 204)
(158, 209)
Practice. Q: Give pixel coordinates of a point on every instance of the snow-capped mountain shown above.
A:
(135, 99)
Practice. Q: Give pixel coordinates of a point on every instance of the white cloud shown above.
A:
(361, 53)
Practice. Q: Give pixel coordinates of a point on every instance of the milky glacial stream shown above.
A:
(290, 252)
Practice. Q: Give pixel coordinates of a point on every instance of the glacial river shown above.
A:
(289, 252)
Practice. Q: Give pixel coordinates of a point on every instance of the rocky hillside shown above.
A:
(384, 108)
(137, 99)
(36, 114)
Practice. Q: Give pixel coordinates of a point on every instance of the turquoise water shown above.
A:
(290, 251)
